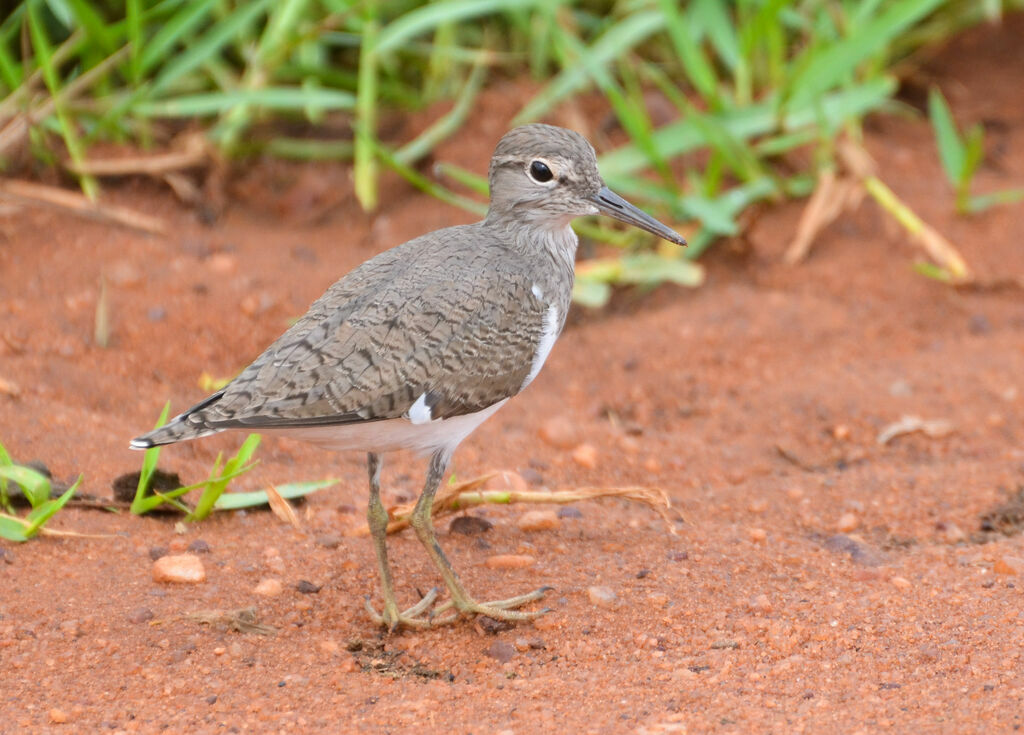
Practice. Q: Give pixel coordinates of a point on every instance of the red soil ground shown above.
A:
(824, 582)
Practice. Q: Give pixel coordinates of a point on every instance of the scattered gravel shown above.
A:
(328, 540)
(501, 650)
(140, 615)
(270, 587)
(307, 588)
(585, 455)
(199, 547)
(469, 525)
(539, 520)
(510, 561)
(602, 596)
(559, 432)
(179, 568)
(570, 511)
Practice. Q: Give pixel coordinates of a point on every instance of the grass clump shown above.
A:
(37, 490)
(753, 97)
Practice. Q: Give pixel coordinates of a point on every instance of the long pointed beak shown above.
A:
(611, 204)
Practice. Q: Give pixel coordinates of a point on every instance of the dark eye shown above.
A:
(540, 172)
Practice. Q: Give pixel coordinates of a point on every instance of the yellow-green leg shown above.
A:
(461, 601)
(377, 519)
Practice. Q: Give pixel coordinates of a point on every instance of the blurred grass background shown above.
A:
(748, 83)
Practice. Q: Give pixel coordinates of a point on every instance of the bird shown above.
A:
(419, 345)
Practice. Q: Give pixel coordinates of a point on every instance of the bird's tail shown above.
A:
(189, 425)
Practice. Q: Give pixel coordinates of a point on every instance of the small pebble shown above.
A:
(269, 587)
(177, 545)
(58, 716)
(329, 645)
(538, 520)
(469, 525)
(757, 535)
(951, 533)
(509, 561)
(724, 643)
(501, 650)
(6, 556)
(199, 547)
(1008, 565)
(585, 455)
(760, 604)
(900, 582)
(155, 552)
(328, 540)
(532, 476)
(521, 645)
(222, 263)
(181, 568)
(847, 522)
(602, 596)
(156, 313)
(493, 625)
(570, 511)
(140, 615)
(307, 588)
(559, 432)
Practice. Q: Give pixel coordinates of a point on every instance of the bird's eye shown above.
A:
(540, 172)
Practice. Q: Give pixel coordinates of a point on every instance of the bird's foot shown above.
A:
(415, 617)
(497, 609)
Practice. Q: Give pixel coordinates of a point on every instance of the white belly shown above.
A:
(392, 434)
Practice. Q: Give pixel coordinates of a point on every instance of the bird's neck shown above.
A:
(552, 239)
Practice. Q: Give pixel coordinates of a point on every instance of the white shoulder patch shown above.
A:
(419, 412)
(547, 341)
(537, 292)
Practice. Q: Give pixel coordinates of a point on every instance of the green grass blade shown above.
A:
(833, 63)
(5, 461)
(211, 43)
(149, 461)
(133, 18)
(34, 484)
(216, 486)
(95, 26)
(13, 528)
(981, 202)
(365, 165)
(45, 57)
(952, 152)
(428, 17)
(294, 99)
(698, 69)
(179, 29)
(44, 512)
(237, 501)
(448, 124)
(612, 44)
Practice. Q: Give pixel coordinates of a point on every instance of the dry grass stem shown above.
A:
(459, 496)
(39, 195)
(282, 508)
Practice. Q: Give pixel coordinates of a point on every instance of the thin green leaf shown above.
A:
(41, 514)
(614, 42)
(271, 98)
(952, 151)
(829, 65)
(592, 294)
(12, 528)
(236, 501)
(34, 484)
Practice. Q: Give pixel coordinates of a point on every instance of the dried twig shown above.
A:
(453, 498)
(31, 194)
(281, 507)
(935, 428)
(193, 151)
(244, 620)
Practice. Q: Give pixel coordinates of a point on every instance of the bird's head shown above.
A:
(546, 176)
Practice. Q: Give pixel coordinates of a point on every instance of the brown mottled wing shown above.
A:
(413, 320)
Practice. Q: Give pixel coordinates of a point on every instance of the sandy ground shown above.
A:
(823, 583)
